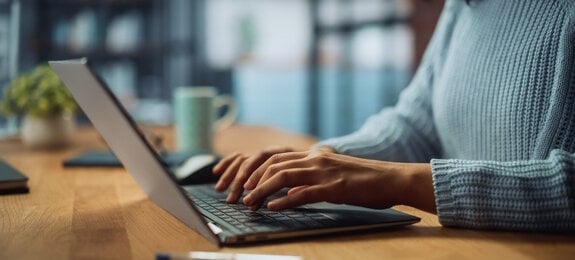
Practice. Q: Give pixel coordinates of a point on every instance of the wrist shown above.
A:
(418, 189)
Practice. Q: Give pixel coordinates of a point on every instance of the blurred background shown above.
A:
(317, 67)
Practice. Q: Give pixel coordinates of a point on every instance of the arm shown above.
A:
(533, 195)
(321, 175)
(406, 132)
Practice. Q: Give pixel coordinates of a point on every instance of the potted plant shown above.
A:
(46, 106)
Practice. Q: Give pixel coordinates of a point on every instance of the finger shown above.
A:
(285, 178)
(256, 161)
(273, 169)
(305, 195)
(235, 189)
(237, 186)
(255, 177)
(251, 164)
(246, 169)
(229, 174)
(296, 189)
(224, 163)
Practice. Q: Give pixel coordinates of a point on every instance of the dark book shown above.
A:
(11, 180)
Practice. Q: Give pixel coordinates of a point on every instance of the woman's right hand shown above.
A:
(234, 170)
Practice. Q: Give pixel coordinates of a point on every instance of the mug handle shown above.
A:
(230, 116)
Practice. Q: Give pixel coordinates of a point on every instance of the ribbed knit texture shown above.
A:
(492, 108)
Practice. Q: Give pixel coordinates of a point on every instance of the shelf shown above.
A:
(96, 3)
(101, 15)
(149, 52)
(353, 26)
(145, 52)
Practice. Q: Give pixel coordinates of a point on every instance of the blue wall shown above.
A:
(278, 97)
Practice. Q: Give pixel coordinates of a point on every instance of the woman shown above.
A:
(484, 135)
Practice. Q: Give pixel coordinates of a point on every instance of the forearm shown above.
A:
(390, 136)
(418, 189)
(415, 180)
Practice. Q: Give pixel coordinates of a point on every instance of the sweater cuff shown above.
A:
(444, 199)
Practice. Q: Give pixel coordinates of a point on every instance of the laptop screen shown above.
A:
(123, 137)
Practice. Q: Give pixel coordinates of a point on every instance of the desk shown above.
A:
(100, 213)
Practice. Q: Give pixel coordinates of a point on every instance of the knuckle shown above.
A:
(276, 157)
(320, 159)
(272, 169)
(266, 153)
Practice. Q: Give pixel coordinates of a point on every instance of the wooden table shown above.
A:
(100, 213)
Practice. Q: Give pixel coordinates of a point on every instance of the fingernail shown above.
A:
(248, 186)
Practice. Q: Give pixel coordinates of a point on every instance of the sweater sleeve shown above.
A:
(534, 195)
(405, 132)
(526, 195)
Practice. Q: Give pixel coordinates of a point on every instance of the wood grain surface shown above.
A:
(100, 213)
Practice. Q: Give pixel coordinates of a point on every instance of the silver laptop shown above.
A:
(198, 205)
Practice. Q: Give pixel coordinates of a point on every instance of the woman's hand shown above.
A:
(325, 176)
(234, 170)
(322, 175)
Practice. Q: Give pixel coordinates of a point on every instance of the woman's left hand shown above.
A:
(321, 175)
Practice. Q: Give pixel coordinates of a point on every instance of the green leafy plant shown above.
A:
(38, 93)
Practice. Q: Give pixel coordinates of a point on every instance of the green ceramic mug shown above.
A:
(196, 119)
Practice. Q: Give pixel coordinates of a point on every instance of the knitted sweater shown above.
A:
(492, 108)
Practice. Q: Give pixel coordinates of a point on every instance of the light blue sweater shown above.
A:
(492, 107)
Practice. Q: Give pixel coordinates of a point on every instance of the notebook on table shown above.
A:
(198, 205)
(97, 158)
(11, 180)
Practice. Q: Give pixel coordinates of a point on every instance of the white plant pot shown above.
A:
(48, 132)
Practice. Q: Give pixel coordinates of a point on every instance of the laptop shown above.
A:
(199, 206)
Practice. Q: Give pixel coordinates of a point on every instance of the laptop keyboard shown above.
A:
(239, 218)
